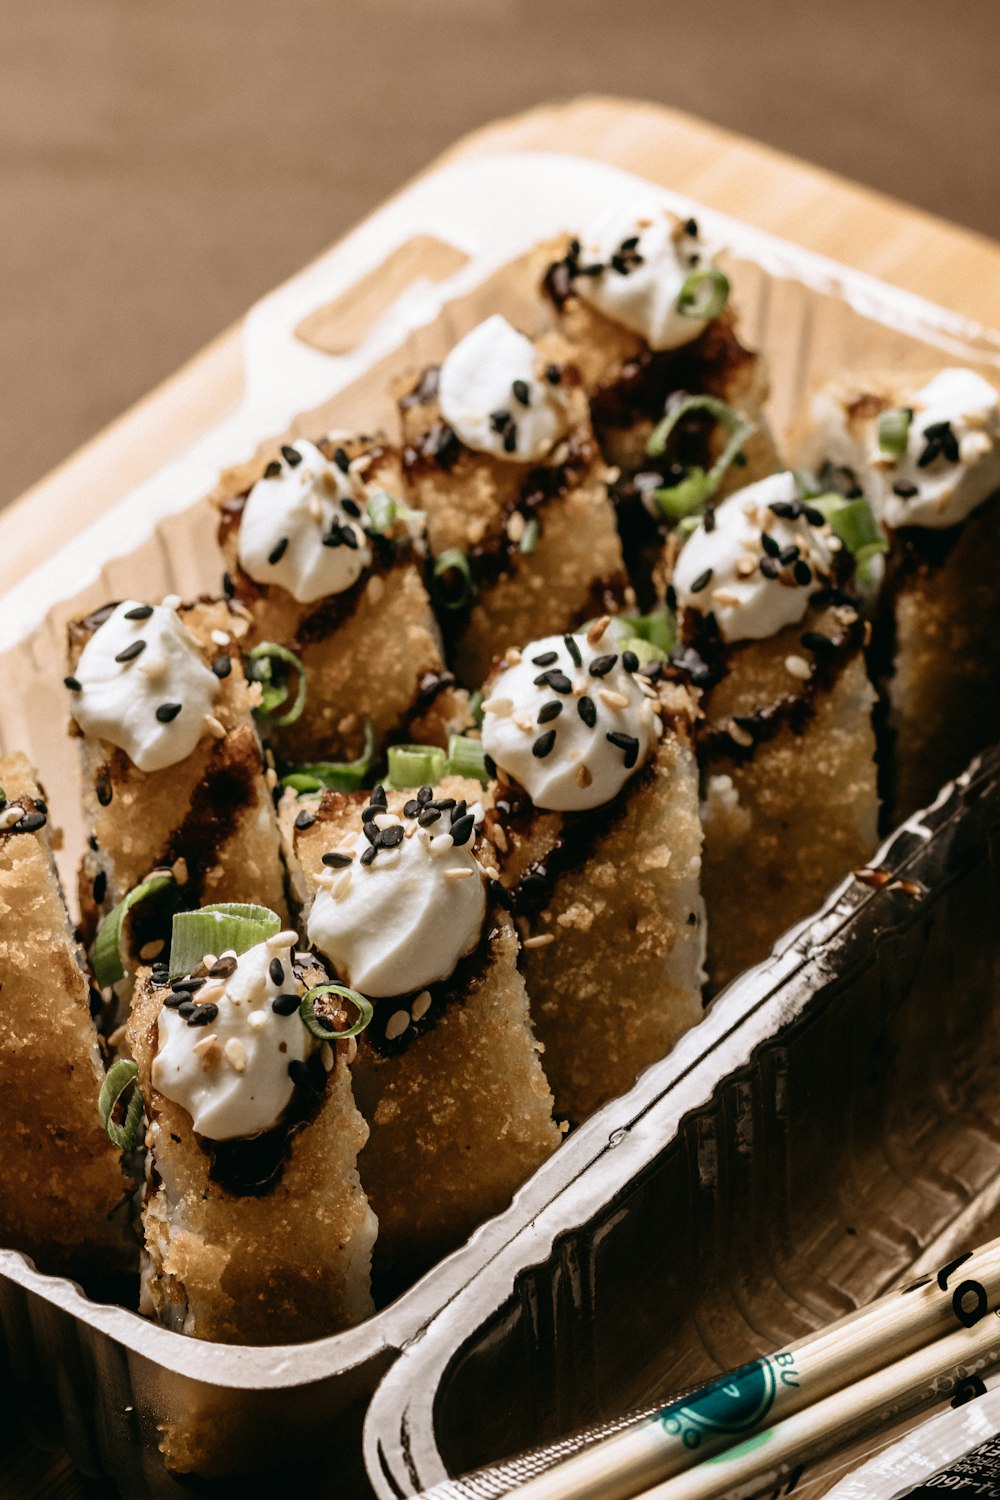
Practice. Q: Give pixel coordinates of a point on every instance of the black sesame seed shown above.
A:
(369, 855)
(630, 243)
(490, 766)
(222, 666)
(351, 508)
(498, 894)
(186, 1008)
(789, 554)
(103, 788)
(129, 653)
(770, 544)
(546, 659)
(392, 836)
(378, 798)
(30, 823)
(284, 1005)
(428, 816)
(803, 574)
(553, 374)
(341, 459)
(630, 661)
(411, 809)
(702, 581)
(278, 551)
(187, 986)
(370, 832)
(141, 612)
(543, 745)
(300, 1075)
(305, 819)
(228, 586)
(173, 1002)
(99, 887)
(461, 830)
(276, 970)
(41, 806)
(349, 538)
(691, 228)
(337, 861)
(73, 684)
(521, 392)
(769, 567)
(167, 712)
(574, 650)
(626, 742)
(556, 680)
(443, 804)
(334, 537)
(202, 1015)
(788, 510)
(425, 794)
(368, 813)
(223, 967)
(499, 420)
(602, 665)
(904, 490)
(708, 518)
(813, 516)
(510, 439)
(549, 711)
(291, 455)
(815, 640)
(459, 810)
(273, 469)
(933, 450)
(587, 709)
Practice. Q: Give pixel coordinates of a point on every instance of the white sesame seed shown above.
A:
(542, 940)
(457, 873)
(10, 815)
(172, 601)
(284, 939)
(398, 1023)
(583, 776)
(179, 871)
(597, 629)
(612, 699)
(499, 838)
(208, 1050)
(724, 597)
(221, 637)
(214, 727)
(375, 589)
(523, 721)
(326, 1056)
(236, 1054)
(799, 667)
(739, 735)
(421, 1005)
(499, 706)
(257, 1019)
(442, 844)
(339, 887)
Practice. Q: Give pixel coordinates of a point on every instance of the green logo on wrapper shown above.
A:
(735, 1403)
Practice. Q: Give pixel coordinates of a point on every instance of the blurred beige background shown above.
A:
(165, 162)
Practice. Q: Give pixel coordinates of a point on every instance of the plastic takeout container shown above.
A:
(117, 1391)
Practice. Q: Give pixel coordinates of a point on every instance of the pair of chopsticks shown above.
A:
(763, 1424)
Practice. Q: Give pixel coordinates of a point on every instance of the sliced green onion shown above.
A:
(529, 538)
(697, 487)
(415, 765)
(333, 775)
(704, 293)
(452, 580)
(215, 929)
(319, 1027)
(894, 430)
(107, 958)
(657, 629)
(260, 664)
(466, 757)
(853, 521)
(384, 510)
(687, 526)
(121, 1076)
(644, 650)
(476, 709)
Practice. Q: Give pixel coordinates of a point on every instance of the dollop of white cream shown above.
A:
(647, 254)
(295, 531)
(548, 719)
(946, 488)
(494, 394)
(231, 1075)
(719, 571)
(403, 921)
(151, 704)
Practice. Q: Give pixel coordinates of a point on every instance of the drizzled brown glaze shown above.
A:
(575, 836)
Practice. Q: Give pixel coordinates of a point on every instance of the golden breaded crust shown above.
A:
(786, 824)
(213, 809)
(944, 704)
(620, 979)
(288, 1265)
(60, 1176)
(463, 1115)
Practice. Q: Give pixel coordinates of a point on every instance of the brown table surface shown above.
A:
(939, 260)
